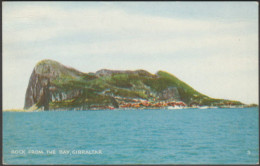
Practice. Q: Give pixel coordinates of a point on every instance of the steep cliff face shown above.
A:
(37, 91)
(53, 86)
(40, 90)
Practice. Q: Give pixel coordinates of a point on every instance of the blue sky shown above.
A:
(212, 46)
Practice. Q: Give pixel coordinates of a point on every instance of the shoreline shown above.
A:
(123, 109)
(16, 110)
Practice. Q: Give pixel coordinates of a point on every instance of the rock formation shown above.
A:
(53, 86)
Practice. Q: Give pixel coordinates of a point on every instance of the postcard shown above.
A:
(130, 83)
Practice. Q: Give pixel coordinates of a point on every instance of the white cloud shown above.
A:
(47, 22)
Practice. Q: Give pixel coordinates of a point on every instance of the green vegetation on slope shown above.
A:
(128, 85)
(94, 89)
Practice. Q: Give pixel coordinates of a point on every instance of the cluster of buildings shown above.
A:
(140, 103)
(130, 103)
(145, 103)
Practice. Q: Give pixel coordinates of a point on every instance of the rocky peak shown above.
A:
(104, 72)
(38, 90)
(44, 72)
(48, 68)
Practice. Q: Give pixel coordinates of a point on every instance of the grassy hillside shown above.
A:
(97, 89)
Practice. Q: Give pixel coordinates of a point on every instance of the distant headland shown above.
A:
(53, 86)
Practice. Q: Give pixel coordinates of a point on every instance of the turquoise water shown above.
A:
(190, 136)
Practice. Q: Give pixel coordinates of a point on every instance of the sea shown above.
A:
(156, 136)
